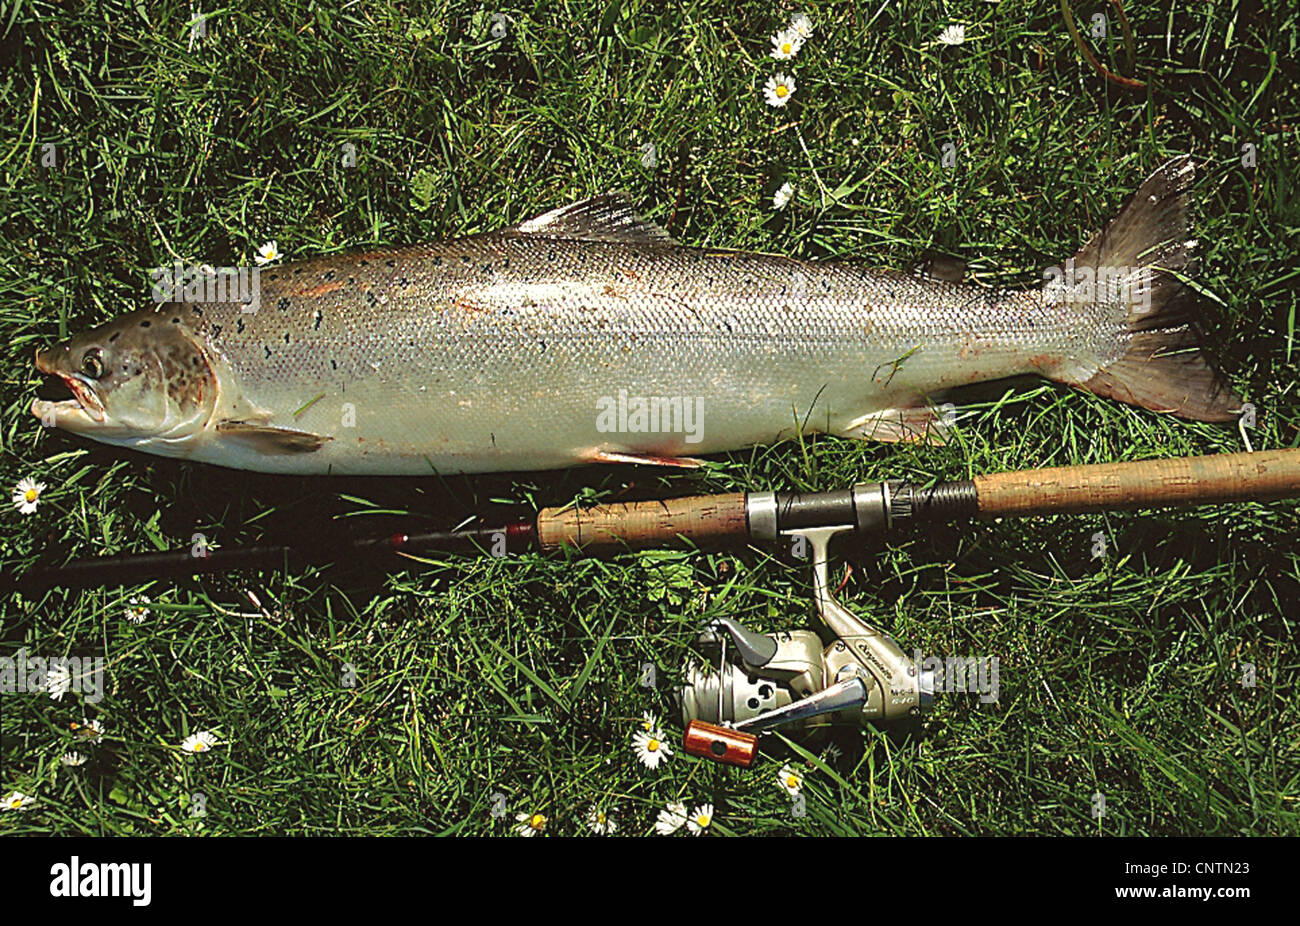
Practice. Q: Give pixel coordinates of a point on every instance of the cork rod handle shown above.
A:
(705, 520)
(1226, 477)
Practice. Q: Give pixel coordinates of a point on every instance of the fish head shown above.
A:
(143, 379)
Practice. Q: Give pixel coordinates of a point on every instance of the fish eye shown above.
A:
(92, 363)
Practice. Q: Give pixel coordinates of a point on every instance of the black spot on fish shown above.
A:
(197, 310)
(196, 361)
(505, 263)
(352, 281)
(370, 298)
(176, 320)
(239, 325)
(272, 276)
(437, 261)
(363, 263)
(403, 282)
(283, 303)
(334, 364)
(550, 255)
(268, 351)
(487, 268)
(390, 263)
(297, 271)
(145, 324)
(286, 337)
(466, 259)
(216, 331)
(319, 316)
(114, 337)
(329, 275)
(542, 345)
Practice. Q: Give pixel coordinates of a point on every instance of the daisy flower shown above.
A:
(73, 759)
(89, 730)
(199, 742)
(953, 35)
(701, 819)
(649, 721)
(27, 494)
(137, 609)
(650, 748)
(801, 25)
(782, 196)
(671, 819)
(530, 824)
(786, 44)
(790, 780)
(778, 90)
(268, 252)
(58, 682)
(16, 800)
(599, 822)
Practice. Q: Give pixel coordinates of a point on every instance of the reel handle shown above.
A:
(720, 744)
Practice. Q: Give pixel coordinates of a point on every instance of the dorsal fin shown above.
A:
(608, 217)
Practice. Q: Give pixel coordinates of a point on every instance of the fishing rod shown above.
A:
(717, 521)
(763, 681)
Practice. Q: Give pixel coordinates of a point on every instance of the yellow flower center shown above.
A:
(16, 803)
(537, 821)
(782, 90)
(600, 818)
(199, 747)
(652, 746)
(31, 495)
(792, 782)
(702, 820)
(786, 48)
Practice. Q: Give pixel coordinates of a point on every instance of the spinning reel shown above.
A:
(789, 679)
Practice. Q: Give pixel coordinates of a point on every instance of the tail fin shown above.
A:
(1143, 315)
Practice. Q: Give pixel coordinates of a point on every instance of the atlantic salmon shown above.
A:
(589, 335)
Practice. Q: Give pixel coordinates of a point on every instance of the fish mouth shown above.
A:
(63, 394)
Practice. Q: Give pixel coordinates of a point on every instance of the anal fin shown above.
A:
(911, 424)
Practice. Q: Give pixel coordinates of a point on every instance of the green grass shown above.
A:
(519, 676)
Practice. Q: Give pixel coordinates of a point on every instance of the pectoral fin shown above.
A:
(270, 440)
